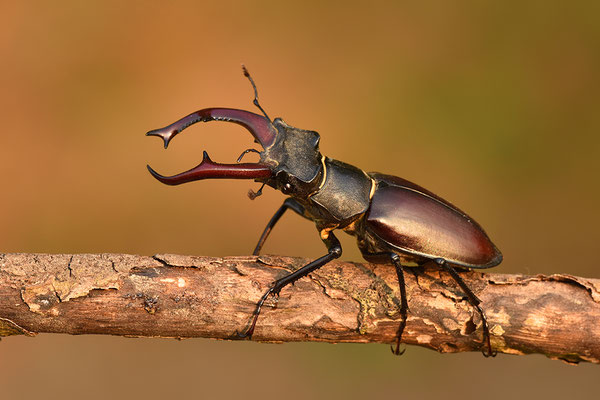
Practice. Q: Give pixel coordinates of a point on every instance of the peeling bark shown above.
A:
(181, 296)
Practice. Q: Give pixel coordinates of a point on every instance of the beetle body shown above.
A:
(386, 213)
(395, 221)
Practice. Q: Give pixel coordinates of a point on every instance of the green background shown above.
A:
(492, 105)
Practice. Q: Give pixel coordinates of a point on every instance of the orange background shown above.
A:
(492, 106)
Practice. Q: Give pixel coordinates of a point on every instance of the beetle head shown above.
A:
(294, 159)
(290, 160)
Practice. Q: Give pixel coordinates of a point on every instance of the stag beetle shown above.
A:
(395, 221)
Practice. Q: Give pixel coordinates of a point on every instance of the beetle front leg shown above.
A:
(334, 250)
(288, 203)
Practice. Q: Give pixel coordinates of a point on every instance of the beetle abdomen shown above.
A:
(417, 223)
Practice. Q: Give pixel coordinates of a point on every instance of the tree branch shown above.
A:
(179, 296)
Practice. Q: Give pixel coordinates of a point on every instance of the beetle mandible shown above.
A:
(395, 221)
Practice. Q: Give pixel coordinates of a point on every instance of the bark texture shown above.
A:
(182, 296)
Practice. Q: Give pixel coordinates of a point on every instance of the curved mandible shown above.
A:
(260, 127)
(208, 169)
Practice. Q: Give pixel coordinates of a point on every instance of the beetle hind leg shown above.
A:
(474, 301)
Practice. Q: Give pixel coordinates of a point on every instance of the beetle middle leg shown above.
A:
(334, 250)
(473, 300)
(403, 302)
(395, 258)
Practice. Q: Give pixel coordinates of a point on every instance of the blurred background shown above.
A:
(494, 107)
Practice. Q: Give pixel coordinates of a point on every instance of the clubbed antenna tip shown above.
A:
(256, 103)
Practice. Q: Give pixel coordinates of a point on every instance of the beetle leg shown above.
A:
(288, 203)
(473, 300)
(382, 257)
(403, 303)
(334, 250)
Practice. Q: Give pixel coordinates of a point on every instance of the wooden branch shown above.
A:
(179, 296)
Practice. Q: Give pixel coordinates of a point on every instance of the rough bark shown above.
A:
(180, 296)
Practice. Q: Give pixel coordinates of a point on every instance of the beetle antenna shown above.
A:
(246, 152)
(256, 103)
(252, 194)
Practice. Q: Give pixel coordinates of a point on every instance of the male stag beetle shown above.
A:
(395, 221)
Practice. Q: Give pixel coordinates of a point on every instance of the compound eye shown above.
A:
(287, 189)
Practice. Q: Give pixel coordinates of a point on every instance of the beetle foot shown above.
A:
(487, 349)
(275, 300)
(489, 353)
(250, 331)
(240, 336)
(396, 350)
